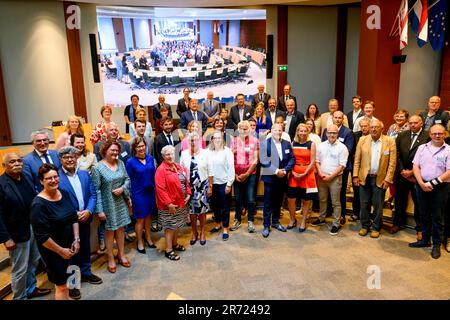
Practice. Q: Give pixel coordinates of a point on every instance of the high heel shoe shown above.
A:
(150, 245)
(289, 227)
(125, 264)
(140, 250)
(192, 242)
(202, 242)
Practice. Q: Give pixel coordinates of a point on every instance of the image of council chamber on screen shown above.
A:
(154, 51)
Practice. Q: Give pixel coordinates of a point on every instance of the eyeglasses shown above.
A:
(437, 134)
(51, 178)
(68, 157)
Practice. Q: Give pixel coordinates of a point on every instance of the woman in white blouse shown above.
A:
(194, 160)
(86, 160)
(310, 124)
(221, 178)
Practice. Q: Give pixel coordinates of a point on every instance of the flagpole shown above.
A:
(436, 2)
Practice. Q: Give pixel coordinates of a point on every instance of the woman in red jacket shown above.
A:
(172, 195)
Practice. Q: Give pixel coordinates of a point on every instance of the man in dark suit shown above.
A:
(273, 112)
(16, 194)
(164, 138)
(286, 96)
(210, 107)
(193, 114)
(239, 112)
(293, 118)
(407, 143)
(112, 133)
(261, 96)
(183, 103)
(434, 115)
(345, 136)
(81, 190)
(40, 155)
(356, 113)
(157, 107)
(277, 159)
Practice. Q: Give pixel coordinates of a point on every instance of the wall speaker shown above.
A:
(399, 59)
(269, 57)
(95, 59)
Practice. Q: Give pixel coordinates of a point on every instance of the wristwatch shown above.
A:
(77, 239)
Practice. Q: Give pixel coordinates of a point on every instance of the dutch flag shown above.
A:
(418, 18)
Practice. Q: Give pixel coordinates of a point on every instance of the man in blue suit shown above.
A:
(79, 186)
(345, 135)
(277, 159)
(193, 114)
(36, 158)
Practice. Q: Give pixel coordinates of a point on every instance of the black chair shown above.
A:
(169, 69)
(175, 63)
(135, 82)
(200, 77)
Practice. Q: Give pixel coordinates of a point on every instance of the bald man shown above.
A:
(434, 115)
(407, 143)
(261, 96)
(374, 169)
(16, 194)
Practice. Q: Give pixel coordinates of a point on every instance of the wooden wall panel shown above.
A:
(119, 34)
(253, 33)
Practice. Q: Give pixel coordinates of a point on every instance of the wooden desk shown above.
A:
(256, 56)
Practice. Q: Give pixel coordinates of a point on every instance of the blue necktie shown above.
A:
(47, 159)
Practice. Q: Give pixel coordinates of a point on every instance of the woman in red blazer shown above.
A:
(172, 195)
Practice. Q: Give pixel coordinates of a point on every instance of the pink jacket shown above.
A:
(168, 186)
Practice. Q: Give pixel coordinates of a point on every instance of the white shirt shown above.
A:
(376, 154)
(331, 156)
(415, 138)
(221, 166)
(278, 147)
(273, 115)
(284, 136)
(241, 113)
(41, 156)
(356, 114)
(76, 185)
(202, 162)
(315, 138)
(288, 122)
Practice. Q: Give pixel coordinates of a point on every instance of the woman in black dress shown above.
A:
(55, 226)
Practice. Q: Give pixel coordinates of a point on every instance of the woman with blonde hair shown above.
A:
(193, 126)
(263, 123)
(73, 126)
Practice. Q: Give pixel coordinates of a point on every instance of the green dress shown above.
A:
(115, 208)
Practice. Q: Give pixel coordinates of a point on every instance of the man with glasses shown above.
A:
(331, 159)
(40, 155)
(434, 115)
(374, 169)
(431, 167)
(81, 190)
(16, 195)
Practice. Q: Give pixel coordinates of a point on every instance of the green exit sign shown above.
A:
(282, 68)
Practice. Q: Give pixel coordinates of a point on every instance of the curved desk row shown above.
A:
(256, 56)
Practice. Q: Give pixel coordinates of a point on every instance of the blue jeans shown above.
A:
(245, 190)
(221, 204)
(432, 207)
(24, 259)
(370, 194)
(273, 199)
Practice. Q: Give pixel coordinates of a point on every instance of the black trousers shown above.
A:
(402, 188)
(83, 257)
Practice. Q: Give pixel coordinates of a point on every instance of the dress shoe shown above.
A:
(302, 229)
(363, 232)
(141, 251)
(265, 232)
(279, 227)
(436, 251)
(289, 227)
(75, 294)
(215, 230)
(394, 229)
(38, 293)
(375, 234)
(419, 235)
(202, 242)
(193, 241)
(92, 279)
(419, 244)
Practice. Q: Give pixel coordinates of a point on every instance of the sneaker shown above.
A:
(318, 222)
(265, 232)
(75, 294)
(375, 234)
(363, 232)
(251, 228)
(334, 230)
(92, 279)
(236, 225)
(436, 251)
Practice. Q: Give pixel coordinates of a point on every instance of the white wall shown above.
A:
(127, 33)
(142, 33)
(206, 32)
(35, 62)
(106, 30)
(234, 36)
(312, 54)
(93, 91)
(351, 57)
(419, 75)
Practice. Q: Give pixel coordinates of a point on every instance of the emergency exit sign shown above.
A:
(282, 68)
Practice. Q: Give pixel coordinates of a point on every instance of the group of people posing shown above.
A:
(48, 198)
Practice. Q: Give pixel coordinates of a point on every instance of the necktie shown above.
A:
(261, 97)
(195, 116)
(47, 159)
(285, 98)
(413, 138)
(169, 137)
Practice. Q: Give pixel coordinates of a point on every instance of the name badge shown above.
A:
(341, 139)
(247, 149)
(286, 151)
(248, 114)
(124, 154)
(438, 121)
(386, 153)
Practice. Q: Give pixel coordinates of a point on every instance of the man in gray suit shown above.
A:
(210, 107)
